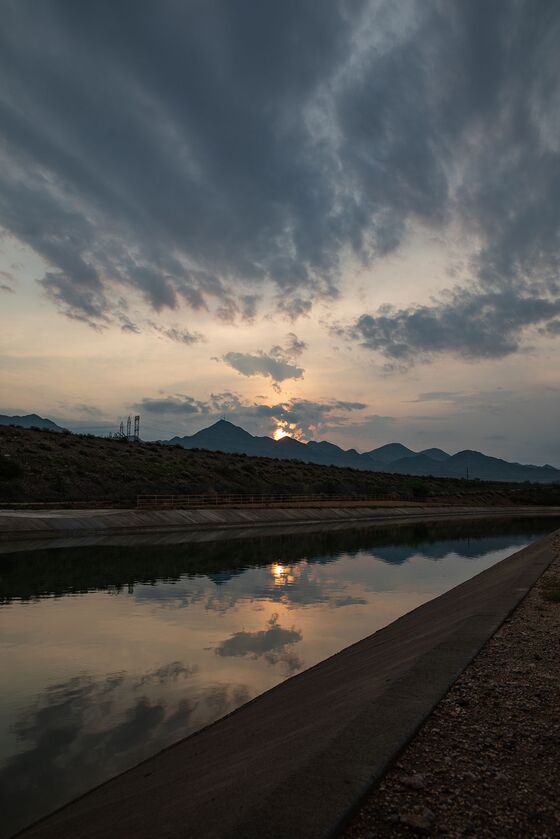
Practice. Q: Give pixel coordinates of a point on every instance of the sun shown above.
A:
(279, 433)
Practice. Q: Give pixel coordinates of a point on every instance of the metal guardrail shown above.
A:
(247, 500)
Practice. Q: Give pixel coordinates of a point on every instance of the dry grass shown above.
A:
(51, 467)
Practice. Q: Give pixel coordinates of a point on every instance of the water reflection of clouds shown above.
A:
(306, 587)
(273, 644)
(81, 731)
(324, 579)
(85, 728)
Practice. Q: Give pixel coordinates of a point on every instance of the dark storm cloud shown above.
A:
(198, 152)
(165, 147)
(470, 323)
(470, 135)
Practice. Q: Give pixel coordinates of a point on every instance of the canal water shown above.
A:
(110, 653)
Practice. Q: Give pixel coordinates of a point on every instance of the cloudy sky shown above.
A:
(340, 218)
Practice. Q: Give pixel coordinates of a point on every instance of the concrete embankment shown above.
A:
(485, 763)
(57, 523)
(295, 760)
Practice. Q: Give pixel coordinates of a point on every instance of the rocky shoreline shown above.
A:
(485, 763)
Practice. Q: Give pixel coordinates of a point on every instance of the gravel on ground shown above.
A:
(486, 762)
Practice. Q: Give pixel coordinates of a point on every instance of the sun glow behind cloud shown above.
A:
(279, 433)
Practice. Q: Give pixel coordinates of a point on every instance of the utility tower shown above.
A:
(131, 436)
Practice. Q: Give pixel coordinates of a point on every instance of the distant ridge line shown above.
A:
(395, 458)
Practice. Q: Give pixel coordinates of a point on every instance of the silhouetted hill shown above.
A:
(435, 454)
(224, 436)
(394, 457)
(31, 421)
(390, 452)
(37, 465)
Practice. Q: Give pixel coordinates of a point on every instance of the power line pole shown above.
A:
(137, 428)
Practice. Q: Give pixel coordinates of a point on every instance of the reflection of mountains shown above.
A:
(59, 571)
(470, 548)
(85, 730)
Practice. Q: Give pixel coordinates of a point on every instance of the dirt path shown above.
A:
(486, 762)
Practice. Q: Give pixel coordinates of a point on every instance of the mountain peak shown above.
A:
(393, 457)
(390, 452)
(223, 423)
(31, 421)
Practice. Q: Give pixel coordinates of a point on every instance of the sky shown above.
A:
(336, 219)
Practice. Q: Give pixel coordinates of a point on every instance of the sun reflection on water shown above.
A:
(285, 574)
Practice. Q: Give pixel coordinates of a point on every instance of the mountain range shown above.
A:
(224, 436)
(31, 421)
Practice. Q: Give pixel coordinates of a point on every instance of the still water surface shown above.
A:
(109, 654)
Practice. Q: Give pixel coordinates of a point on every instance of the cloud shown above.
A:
(304, 418)
(294, 346)
(7, 288)
(201, 155)
(471, 323)
(553, 327)
(276, 364)
(439, 396)
(128, 326)
(180, 165)
(299, 417)
(482, 402)
(465, 128)
(180, 336)
(262, 364)
(172, 405)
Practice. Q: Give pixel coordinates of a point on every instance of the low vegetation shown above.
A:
(551, 589)
(44, 466)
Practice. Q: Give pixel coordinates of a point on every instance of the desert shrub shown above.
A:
(417, 489)
(10, 469)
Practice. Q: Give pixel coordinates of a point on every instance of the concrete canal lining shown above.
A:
(295, 760)
(57, 523)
